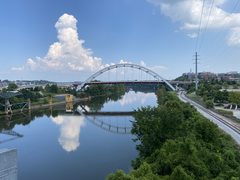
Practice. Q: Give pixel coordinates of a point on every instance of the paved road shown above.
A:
(212, 117)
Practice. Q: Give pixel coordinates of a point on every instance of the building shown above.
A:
(207, 75)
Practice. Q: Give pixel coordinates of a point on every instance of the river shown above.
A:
(55, 144)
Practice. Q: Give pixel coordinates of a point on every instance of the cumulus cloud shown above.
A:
(193, 35)
(68, 54)
(188, 12)
(69, 131)
(18, 69)
(142, 64)
(122, 62)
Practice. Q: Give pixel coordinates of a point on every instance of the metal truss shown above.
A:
(9, 95)
(146, 70)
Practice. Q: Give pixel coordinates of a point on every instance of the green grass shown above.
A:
(48, 93)
(42, 101)
(193, 96)
(226, 112)
(173, 92)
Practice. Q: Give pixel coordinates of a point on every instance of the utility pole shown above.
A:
(191, 75)
(196, 79)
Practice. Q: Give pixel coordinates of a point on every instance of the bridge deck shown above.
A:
(134, 82)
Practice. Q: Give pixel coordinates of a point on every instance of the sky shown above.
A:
(62, 41)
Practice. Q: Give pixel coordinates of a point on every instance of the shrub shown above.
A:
(204, 98)
(209, 104)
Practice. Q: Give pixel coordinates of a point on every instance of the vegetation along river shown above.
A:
(57, 144)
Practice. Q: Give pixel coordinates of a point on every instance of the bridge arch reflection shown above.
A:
(103, 125)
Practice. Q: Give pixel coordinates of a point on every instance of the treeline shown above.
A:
(101, 89)
(177, 142)
(210, 90)
(218, 84)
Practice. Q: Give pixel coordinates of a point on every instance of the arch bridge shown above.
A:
(157, 77)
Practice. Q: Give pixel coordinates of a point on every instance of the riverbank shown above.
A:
(34, 107)
(40, 106)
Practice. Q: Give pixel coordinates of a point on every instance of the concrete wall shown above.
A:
(8, 164)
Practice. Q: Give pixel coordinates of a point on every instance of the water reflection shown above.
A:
(132, 96)
(104, 125)
(70, 127)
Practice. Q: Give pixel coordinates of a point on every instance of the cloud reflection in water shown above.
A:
(131, 96)
(70, 131)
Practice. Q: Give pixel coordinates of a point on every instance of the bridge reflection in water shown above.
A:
(102, 124)
(71, 124)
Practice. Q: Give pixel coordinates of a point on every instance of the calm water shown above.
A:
(60, 145)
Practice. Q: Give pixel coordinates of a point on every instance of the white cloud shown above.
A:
(68, 54)
(188, 12)
(69, 131)
(193, 35)
(122, 62)
(142, 64)
(131, 96)
(18, 69)
(234, 36)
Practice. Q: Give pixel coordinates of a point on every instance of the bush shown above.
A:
(219, 104)
(45, 101)
(204, 98)
(209, 104)
(235, 86)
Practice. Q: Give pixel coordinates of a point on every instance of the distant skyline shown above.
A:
(70, 40)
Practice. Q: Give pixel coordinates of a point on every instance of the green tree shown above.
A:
(234, 97)
(204, 98)
(54, 88)
(12, 87)
(36, 88)
(218, 96)
(225, 86)
(4, 90)
(209, 104)
(47, 87)
(235, 86)
(225, 95)
(198, 92)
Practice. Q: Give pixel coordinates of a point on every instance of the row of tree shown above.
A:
(177, 142)
(96, 90)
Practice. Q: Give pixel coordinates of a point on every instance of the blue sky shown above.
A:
(70, 40)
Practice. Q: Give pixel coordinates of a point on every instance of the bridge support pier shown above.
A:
(8, 109)
(29, 104)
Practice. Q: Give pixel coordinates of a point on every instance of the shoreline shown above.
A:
(40, 106)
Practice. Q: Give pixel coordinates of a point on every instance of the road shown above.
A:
(223, 123)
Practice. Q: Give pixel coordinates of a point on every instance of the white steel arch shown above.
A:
(146, 70)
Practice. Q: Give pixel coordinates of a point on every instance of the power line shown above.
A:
(199, 25)
(223, 25)
(225, 41)
(206, 25)
(224, 50)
